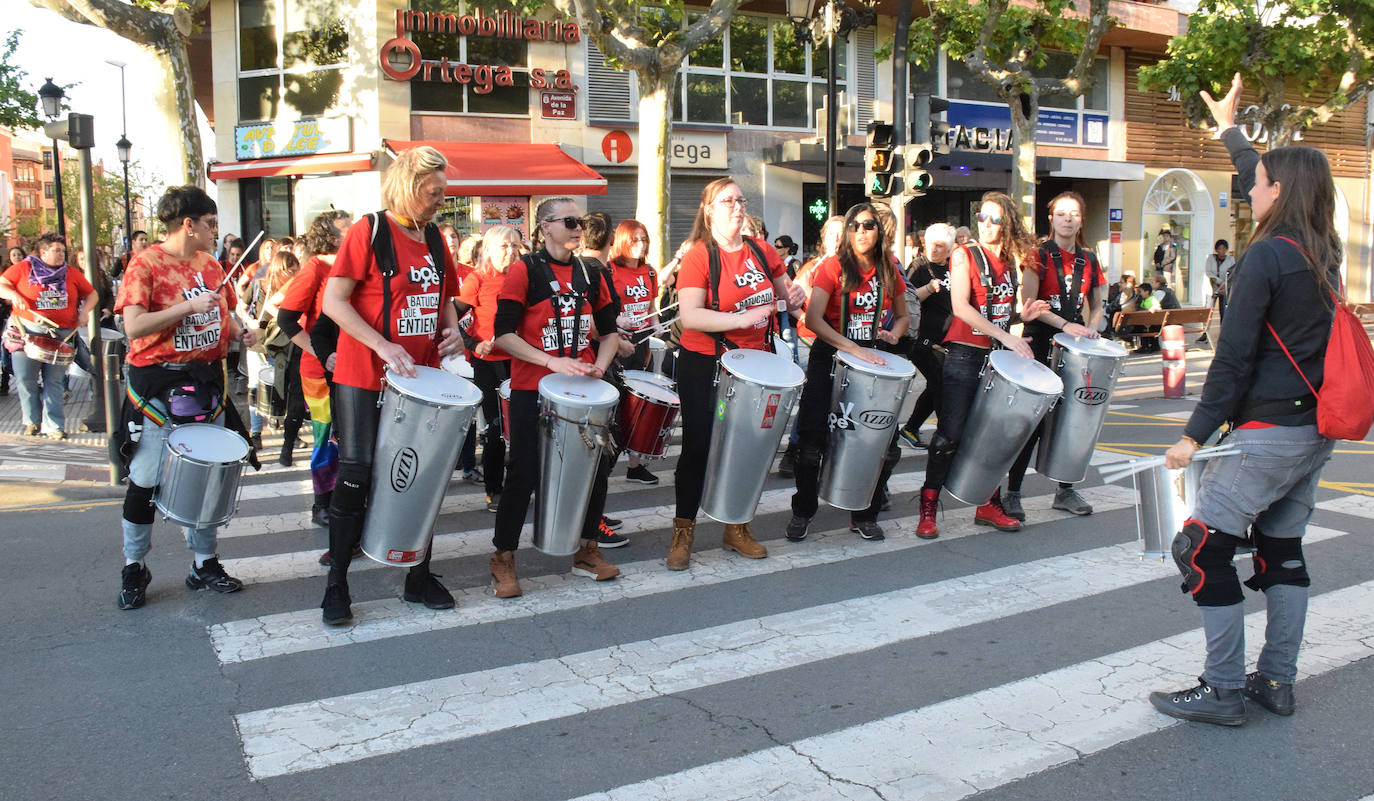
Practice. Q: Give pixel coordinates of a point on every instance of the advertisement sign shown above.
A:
(986, 127)
(619, 147)
(303, 138)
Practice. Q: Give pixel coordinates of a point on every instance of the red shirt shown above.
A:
(1003, 299)
(636, 287)
(1052, 278)
(156, 281)
(863, 299)
(57, 302)
(305, 294)
(480, 291)
(744, 284)
(541, 324)
(418, 290)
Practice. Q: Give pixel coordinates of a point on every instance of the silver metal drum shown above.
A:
(755, 393)
(575, 414)
(1014, 395)
(1167, 498)
(865, 399)
(657, 349)
(265, 398)
(200, 475)
(423, 422)
(1089, 369)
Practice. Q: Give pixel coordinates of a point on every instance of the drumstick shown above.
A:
(238, 263)
(1115, 474)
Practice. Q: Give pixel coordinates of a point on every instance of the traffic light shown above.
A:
(880, 161)
(916, 180)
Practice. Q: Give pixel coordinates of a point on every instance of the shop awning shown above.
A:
(508, 168)
(293, 165)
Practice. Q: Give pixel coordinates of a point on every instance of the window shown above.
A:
(47, 160)
(49, 191)
(756, 74)
(964, 85)
(478, 97)
(291, 52)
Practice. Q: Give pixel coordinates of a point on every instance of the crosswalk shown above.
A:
(786, 632)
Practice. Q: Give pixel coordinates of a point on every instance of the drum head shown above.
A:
(578, 390)
(653, 390)
(896, 366)
(762, 367)
(456, 364)
(111, 335)
(504, 390)
(1090, 347)
(207, 443)
(435, 386)
(653, 378)
(267, 375)
(1027, 373)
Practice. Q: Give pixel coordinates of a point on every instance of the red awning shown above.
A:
(507, 168)
(294, 165)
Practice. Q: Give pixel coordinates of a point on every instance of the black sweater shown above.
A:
(1273, 284)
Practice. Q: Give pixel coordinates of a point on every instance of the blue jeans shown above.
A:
(145, 470)
(29, 373)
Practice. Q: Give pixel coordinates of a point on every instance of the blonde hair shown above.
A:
(401, 184)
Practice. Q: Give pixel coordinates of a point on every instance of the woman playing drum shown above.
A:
(51, 301)
(376, 336)
(851, 293)
(1283, 293)
(737, 312)
(983, 296)
(548, 306)
(636, 284)
(1068, 277)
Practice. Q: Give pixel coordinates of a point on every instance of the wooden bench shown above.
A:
(1194, 321)
(1365, 311)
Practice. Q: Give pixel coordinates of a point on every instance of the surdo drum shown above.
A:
(200, 475)
(574, 430)
(1089, 369)
(419, 435)
(1014, 395)
(865, 399)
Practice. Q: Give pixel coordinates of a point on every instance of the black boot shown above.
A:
(1275, 696)
(319, 512)
(423, 587)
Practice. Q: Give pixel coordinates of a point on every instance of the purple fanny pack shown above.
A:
(184, 407)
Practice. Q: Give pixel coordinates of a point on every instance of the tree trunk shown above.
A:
(176, 100)
(655, 124)
(1023, 170)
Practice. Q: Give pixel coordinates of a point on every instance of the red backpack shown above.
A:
(1345, 404)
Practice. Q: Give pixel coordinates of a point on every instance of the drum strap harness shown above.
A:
(384, 251)
(723, 343)
(1069, 307)
(985, 274)
(541, 275)
(877, 312)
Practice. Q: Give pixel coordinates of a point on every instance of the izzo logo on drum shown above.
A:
(404, 467)
(877, 419)
(424, 276)
(1091, 396)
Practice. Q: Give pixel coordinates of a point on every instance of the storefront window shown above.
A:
(489, 51)
(291, 52)
(964, 85)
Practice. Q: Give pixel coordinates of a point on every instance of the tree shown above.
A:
(1006, 46)
(1319, 50)
(654, 42)
(107, 202)
(163, 29)
(18, 106)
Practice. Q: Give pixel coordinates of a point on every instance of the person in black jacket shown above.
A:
(1284, 293)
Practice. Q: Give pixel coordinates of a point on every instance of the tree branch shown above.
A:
(129, 21)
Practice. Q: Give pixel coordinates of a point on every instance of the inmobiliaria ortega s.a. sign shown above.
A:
(401, 59)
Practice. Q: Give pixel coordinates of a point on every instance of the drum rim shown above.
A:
(867, 368)
(746, 353)
(1049, 393)
(464, 400)
(1075, 345)
(612, 395)
(167, 443)
(630, 390)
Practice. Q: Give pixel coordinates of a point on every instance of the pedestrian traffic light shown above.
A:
(880, 161)
(916, 179)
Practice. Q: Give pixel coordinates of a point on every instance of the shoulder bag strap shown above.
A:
(385, 254)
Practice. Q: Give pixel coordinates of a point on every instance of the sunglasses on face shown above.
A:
(570, 223)
(994, 219)
(868, 225)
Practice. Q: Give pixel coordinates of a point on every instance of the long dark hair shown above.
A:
(1306, 205)
(849, 258)
(1014, 239)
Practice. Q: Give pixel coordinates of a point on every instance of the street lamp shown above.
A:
(50, 98)
(835, 22)
(125, 148)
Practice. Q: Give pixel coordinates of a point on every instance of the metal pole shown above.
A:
(899, 113)
(57, 183)
(832, 114)
(102, 413)
(128, 217)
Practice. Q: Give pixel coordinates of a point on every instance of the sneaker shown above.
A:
(912, 438)
(1068, 500)
(930, 504)
(426, 589)
(589, 562)
(641, 475)
(612, 523)
(493, 502)
(30, 431)
(868, 529)
(796, 528)
(607, 538)
(473, 475)
(59, 434)
(134, 582)
(1275, 696)
(211, 575)
(1011, 504)
(992, 514)
(787, 465)
(319, 515)
(1203, 703)
(337, 605)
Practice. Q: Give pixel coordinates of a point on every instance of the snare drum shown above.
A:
(755, 393)
(574, 429)
(423, 422)
(653, 378)
(200, 475)
(267, 402)
(1014, 395)
(864, 401)
(647, 415)
(503, 396)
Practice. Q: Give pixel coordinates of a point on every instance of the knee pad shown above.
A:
(351, 489)
(138, 504)
(810, 457)
(1278, 561)
(1203, 555)
(943, 446)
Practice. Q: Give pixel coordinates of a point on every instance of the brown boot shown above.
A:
(680, 552)
(589, 562)
(740, 539)
(503, 575)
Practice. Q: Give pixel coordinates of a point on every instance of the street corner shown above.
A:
(26, 460)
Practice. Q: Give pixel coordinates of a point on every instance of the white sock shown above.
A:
(128, 562)
(201, 557)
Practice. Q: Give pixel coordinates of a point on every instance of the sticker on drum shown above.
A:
(763, 368)
(435, 386)
(895, 367)
(207, 443)
(457, 364)
(1026, 373)
(578, 390)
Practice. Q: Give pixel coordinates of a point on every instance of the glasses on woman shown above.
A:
(570, 223)
(868, 225)
(733, 201)
(992, 219)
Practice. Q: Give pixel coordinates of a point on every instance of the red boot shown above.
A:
(930, 502)
(992, 514)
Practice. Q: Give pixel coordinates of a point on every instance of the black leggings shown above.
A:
(696, 392)
(488, 375)
(295, 402)
(963, 364)
(931, 363)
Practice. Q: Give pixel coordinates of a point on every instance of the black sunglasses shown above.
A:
(570, 223)
(995, 219)
(868, 225)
